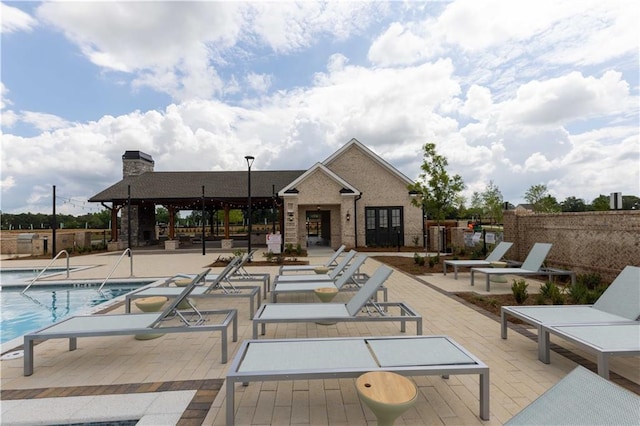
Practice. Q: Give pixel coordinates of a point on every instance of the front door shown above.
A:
(384, 226)
(318, 223)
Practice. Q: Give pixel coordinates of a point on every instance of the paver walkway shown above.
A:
(517, 377)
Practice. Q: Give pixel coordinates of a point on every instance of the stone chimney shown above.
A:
(135, 163)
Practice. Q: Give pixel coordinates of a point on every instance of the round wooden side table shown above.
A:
(387, 394)
(150, 304)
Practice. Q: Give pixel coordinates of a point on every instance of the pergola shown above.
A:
(197, 191)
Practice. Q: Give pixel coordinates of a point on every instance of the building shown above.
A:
(353, 197)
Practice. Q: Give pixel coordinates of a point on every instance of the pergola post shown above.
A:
(227, 231)
(114, 223)
(172, 222)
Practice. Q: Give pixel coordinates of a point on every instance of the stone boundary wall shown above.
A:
(65, 240)
(587, 242)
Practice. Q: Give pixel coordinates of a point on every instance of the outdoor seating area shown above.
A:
(296, 360)
(531, 265)
(350, 280)
(360, 307)
(608, 327)
(214, 288)
(136, 324)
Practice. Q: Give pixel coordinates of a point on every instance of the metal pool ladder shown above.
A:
(47, 267)
(128, 250)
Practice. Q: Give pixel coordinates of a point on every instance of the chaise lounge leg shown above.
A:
(543, 346)
(503, 325)
(223, 345)
(28, 357)
(73, 343)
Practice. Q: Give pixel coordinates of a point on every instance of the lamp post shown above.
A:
(249, 159)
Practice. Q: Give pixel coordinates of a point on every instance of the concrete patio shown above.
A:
(175, 379)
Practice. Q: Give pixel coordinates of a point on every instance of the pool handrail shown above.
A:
(127, 250)
(46, 267)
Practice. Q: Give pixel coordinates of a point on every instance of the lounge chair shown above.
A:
(350, 357)
(340, 312)
(348, 280)
(496, 254)
(618, 305)
(330, 276)
(329, 264)
(239, 273)
(215, 288)
(581, 398)
(530, 266)
(170, 320)
(605, 340)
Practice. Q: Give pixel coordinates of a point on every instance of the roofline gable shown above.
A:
(369, 153)
(347, 188)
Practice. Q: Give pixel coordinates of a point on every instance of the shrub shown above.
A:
(590, 280)
(519, 289)
(477, 253)
(557, 295)
(578, 293)
(298, 249)
(415, 240)
(418, 260)
(551, 291)
(433, 260)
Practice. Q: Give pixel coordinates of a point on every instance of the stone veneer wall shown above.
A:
(586, 242)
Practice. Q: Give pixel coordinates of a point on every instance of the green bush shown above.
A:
(578, 293)
(519, 289)
(590, 280)
(550, 291)
(541, 299)
(433, 260)
(477, 253)
(418, 260)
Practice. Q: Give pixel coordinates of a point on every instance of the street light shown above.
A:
(249, 159)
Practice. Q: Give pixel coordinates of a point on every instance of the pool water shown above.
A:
(11, 276)
(44, 305)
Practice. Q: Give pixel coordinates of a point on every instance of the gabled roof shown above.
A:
(354, 142)
(182, 186)
(347, 188)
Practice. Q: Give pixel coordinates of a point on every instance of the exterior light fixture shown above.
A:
(249, 159)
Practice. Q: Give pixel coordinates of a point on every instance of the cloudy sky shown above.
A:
(519, 93)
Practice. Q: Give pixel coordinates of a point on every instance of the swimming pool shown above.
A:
(43, 305)
(11, 276)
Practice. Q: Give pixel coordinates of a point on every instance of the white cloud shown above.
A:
(500, 87)
(43, 122)
(259, 82)
(568, 98)
(7, 182)
(15, 20)
(400, 45)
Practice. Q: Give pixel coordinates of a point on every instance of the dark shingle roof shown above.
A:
(180, 187)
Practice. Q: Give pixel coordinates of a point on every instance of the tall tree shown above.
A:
(538, 195)
(492, 202)
(600, 203)
(573, 204)
(437, 189)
